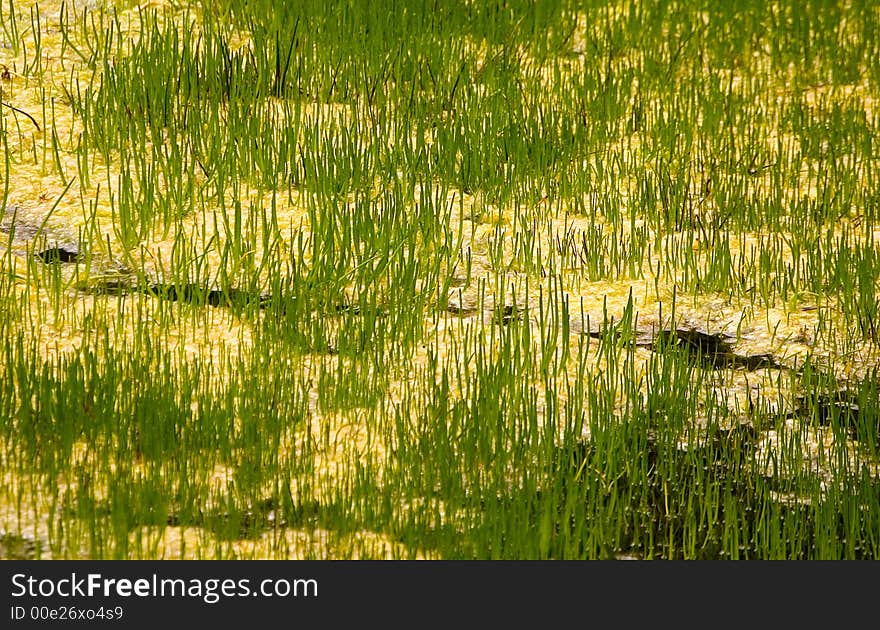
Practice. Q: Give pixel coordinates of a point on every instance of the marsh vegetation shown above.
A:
(439, 279)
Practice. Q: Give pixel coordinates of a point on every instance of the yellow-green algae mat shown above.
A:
(42, 213)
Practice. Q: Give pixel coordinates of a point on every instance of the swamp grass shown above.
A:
(439, 279)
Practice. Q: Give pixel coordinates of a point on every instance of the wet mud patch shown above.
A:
(201, 295)
(19, 224)
(60, 254)
(710, 349)
(25, 230)
(844, 409)
(509, 313)
(18, 547)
